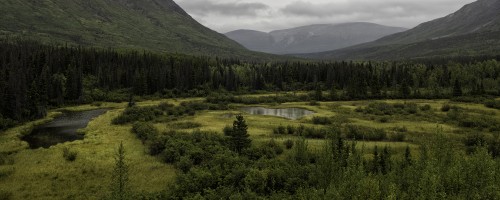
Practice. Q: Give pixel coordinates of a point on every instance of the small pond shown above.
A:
(289, 113)
(62, 129)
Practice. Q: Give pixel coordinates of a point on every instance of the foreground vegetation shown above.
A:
(176, 149)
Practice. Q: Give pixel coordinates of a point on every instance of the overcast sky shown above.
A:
(267, 15)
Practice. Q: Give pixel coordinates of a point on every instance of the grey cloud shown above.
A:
(374, 8)
(206, 7)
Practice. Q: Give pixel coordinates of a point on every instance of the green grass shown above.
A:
(45, 174)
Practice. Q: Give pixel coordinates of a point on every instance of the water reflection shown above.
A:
(62, 129)
(289, 113)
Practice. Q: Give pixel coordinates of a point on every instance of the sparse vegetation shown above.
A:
(68, 154)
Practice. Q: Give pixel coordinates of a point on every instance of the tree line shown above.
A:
(35, 77)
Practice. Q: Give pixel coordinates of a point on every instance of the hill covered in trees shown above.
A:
(157, 25)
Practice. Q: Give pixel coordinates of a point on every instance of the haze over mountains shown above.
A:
(157, 25)
(312, 38)
(472, 30)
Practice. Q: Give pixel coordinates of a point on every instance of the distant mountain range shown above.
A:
(157, 25)
(313, 38)
(472, 30)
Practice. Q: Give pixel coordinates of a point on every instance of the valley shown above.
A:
(84, 177)
(136, 99)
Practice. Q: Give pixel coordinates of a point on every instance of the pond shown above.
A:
(289, 113)
(63, 128)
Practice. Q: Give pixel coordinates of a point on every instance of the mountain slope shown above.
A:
(158, 25)
(313, 38)
(472, 30)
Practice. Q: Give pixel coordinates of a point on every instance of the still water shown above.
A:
(62, 129)
(289, 113)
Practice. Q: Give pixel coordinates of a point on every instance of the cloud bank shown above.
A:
(265, 15)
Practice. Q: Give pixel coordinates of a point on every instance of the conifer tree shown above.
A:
(120, 181)
(457, 89)
(239, 136)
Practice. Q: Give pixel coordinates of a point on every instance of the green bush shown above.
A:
(6, 123)
(133, 114)
(397, 136)
(384, 119)
(288, 144)
(4, 195)
(492, 104)
(144, 131)
(69, 155)
(184, 164)
(313, 103)
(445, 107)
(425, 107)
(321, 120)
(186, 125)
(365, 133)
(291, 130)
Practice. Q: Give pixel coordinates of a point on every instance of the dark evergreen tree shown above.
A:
(238, 137)
(457, 89)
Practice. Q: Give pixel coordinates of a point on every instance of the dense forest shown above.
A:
(36, 77)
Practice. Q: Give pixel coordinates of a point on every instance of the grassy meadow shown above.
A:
(44, 173)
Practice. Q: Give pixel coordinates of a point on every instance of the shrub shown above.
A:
(290, 130)
(473, 141)
(280, 130)
(411, 108)
(397, 136)
(492, 104)
(4, 195)
(69, 155)
(401, 129)
(384, 119)
(186, 125)
(132, 114)
(275, 146)
(365, 133)
(313, 103)
(445, 107)
(321, 120)
(425, 107)
(317, 133)
(228, 130)
(184, 164)
(6, 123)
(144, 130)
(288, 144)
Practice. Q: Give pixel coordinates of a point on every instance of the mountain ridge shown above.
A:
(474, 20)
(156, 25)
(311, 38)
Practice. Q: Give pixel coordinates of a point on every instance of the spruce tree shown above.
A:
(120, 181)
(457, 89)
(239, 135)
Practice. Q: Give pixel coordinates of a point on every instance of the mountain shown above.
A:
(312, 38)
(157, 25)
(472, 30)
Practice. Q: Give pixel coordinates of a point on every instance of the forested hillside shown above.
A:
(156, 25)
(35, 77)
